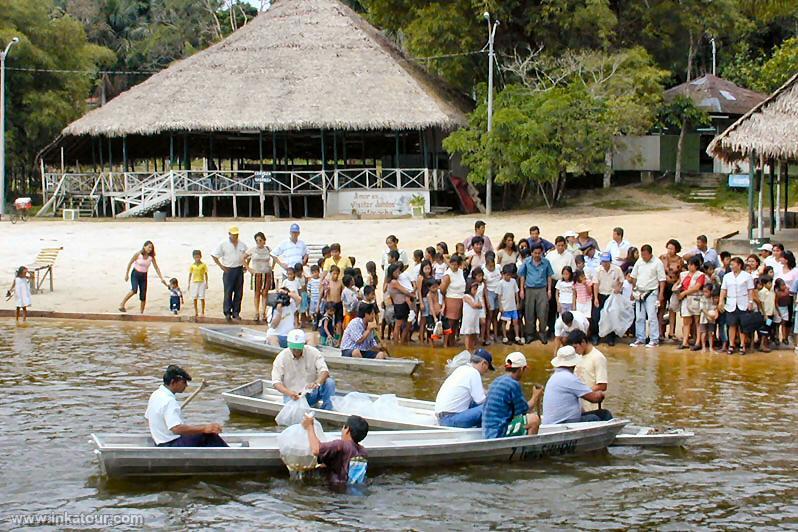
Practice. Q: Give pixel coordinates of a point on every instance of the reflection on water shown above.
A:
(64, 380)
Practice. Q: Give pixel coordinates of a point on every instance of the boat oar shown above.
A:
(191, 397)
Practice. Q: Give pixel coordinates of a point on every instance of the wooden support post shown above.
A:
(93, 155)
(396, 157)
(751, 177)
(110, 157)
(124, 153)
(306, 205)
(260, 153)
(786, 193)
(323, 154)
(274, 154)
(290, 207)
(171, 150)
(213, 208)
(335, 150)
(235, 207)
(250, 206)
(201, 214)
(172, 190)
(285, 149)
(261, 198)
(186, 157)
(343, 143)
(100, 151)
(760, 222)
(276, 206)
(773, 210)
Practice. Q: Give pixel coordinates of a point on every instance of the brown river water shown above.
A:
(63, 380)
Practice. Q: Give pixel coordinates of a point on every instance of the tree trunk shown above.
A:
(679, 150)
(607, 168)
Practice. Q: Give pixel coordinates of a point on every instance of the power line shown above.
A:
(68, 71)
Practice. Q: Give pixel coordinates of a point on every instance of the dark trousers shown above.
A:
(196, 440)
(233, 281)
(597, 315)
(602, 414)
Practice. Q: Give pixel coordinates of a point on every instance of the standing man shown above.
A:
(479, 230)
(592, 367)
(166, 419)
(618, 247)
(559, 258)
(460, 400)
(392, 244)
(536, 291)
(291, 252)
(609, 280)
(648, 280)
(703, 249)
(300, 370)
(507, 412)
(736, 300)
(535, 240)
(229, 256)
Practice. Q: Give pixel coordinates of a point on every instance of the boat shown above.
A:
(254, 341)
(132, 455)
(260, 398)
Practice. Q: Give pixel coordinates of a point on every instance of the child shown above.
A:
(327, 325)
(439, 267)
(433, 306)
(415, 270)
(565, 291)
(429, 254)
(421, 296)
(345, 459)
(314, 289)
(302, 283)
(583, 293)
(767, 305)
(706, 322)
(350, 299)
(508, 303)
(492, 277)
(782, 292)
(387, 316)
(472, 305)
(198, 282)
(372, 279)
(291, 284)
(333, 295)
(20, 286)
(175, 296)
(579, 261)
(478, 276)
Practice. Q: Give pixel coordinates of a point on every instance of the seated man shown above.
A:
(358, 340)
(301, 370)
(592, 366)
(505, 412)
(345, 460)
(570, 320)
(564, 389)
(166, 420)
(282, 320)
(461, 397)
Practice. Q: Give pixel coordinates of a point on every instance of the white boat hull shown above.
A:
(126, 455)
(253, 341)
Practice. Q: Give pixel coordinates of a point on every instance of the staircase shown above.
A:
(84, 205)
(148, 196)
(474, 193)
(705, 186)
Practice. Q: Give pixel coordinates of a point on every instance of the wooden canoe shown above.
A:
(126, 455)
(254, 341)
(260, 398)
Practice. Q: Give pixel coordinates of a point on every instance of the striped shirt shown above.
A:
(505, 401)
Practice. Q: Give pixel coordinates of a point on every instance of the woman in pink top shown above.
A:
(140, 263)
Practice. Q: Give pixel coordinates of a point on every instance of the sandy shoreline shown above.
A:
(90, 270)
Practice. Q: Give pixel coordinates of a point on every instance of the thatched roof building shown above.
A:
(303, 64)
(769, 130)
(716, 95)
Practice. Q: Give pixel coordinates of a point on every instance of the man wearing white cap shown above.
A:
(506, 411)
(564, 390)
(570, 242)
(293, 251)
(300, 370)
(229, 256)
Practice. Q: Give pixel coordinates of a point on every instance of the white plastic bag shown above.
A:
(616, 316)
(460, 360)
(354, 403)
(295, 447)
(293, 412)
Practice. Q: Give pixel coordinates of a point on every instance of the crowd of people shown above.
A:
(523, 290)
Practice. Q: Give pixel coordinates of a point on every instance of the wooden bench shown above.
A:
(42, 267)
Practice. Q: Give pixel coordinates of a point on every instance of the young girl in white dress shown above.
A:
(21, 288)
(472, 305)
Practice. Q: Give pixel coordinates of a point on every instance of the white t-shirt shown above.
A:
(737, 288)
(580, 322)
(462, 387)
(506, 292)
(231, 256)
(293, 285)
(492, 278)
(163, 413)
(566, 291)
(286, 324)
(648, 274)
(778, 268)
(559, 261)
(407, 280)
(438, 269)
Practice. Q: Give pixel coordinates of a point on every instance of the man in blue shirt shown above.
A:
(537, 276)
(564, 389)
(506, 412)
(536, 240)
(293, 251)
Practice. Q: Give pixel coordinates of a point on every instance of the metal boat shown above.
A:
(260, 398)
(254, 341)
(126, 455)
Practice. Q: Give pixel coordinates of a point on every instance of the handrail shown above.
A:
(53, 198)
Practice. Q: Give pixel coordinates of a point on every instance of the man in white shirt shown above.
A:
(460, 400)
(166, 419)
(648, 280)
(393, 245)
(300, 370)
(592, 367)
(229, 256)
(570, 320)
(559, 258)
(293, 251)
(618, 247)
(736, 300)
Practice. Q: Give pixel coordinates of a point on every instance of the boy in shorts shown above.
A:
(507, 292)
(333, 293)
(198, 281)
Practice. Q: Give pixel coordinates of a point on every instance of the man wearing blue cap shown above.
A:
(608, 280)
(461, 397)
(293, 251)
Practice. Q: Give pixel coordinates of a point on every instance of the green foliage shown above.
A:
(680, 110)
(765, 75)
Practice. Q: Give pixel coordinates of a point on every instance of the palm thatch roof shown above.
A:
(770, 129)
(303, 64)
(716, 95)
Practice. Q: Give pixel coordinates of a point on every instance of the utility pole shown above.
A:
(491, 36)
(14, 41)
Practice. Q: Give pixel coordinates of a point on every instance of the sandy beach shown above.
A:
(89, 273)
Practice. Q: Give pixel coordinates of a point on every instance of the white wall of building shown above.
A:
(374, 202)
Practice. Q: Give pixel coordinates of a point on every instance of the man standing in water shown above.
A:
(229, 256)
(166, 420)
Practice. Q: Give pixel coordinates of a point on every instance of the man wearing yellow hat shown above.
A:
(229, 256)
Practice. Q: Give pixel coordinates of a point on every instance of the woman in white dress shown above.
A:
(20, 287)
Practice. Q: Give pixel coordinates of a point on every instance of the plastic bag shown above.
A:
(387, 407)
(616, 316)
(354, 403)
(293, 412)
(295, 447)
(460, 360)
(438, 330)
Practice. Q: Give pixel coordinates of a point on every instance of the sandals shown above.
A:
(122, 309)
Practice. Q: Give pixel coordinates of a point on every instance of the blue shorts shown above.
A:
(493, 301)
(283, 341)
(510, 315)
(364, 354)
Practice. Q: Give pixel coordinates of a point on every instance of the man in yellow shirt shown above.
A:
(198, 281)
(592, 367)
(336, 259)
